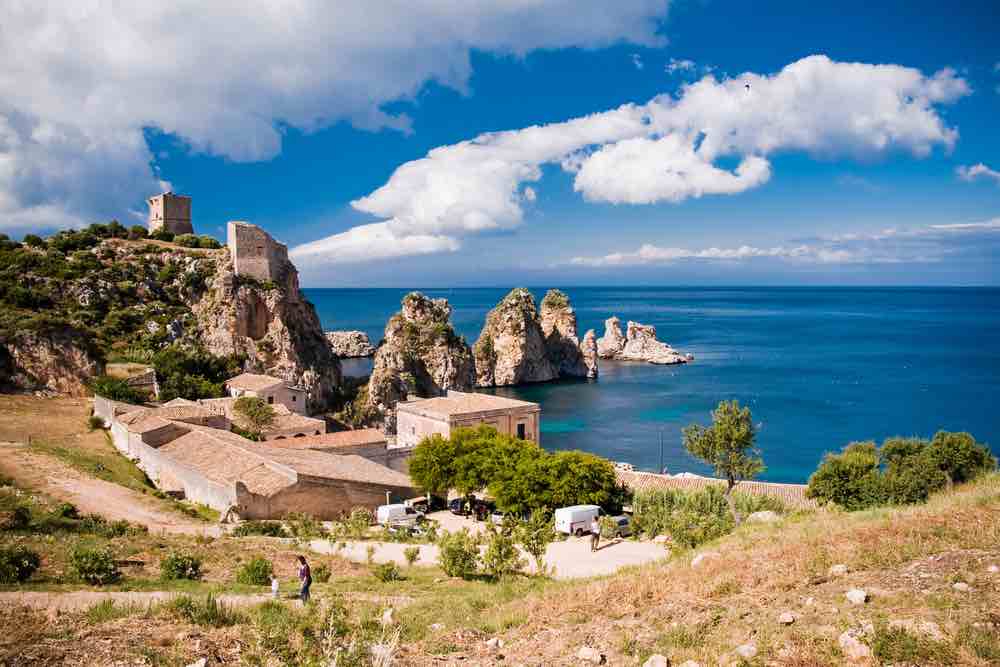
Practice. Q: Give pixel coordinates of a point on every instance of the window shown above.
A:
(270, 399)
(294, 398)
(521, 431)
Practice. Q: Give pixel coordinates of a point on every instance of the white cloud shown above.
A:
(971, 173)
(668, 149)
(80, 81)
(932, 243)
(682, 65)
(370, 242)
(637, 61)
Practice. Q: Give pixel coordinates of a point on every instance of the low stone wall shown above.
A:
(322, 499)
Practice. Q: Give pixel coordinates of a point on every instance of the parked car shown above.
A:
(421, 504)
(482, 509)
(623, 525)
(458, 506)
(397, 514)
(575, 520)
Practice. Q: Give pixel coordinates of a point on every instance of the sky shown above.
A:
(424, 144)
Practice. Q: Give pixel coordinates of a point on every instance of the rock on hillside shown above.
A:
(272, 325)
(562, 347)
(511, 348)
(57, 360)
(421, 356)
(638, 344)
(350, 344)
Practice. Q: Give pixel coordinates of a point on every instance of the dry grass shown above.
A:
(60, 420)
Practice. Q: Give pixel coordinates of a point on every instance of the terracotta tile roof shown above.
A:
(458, 403)
(337, 439)
(174, 402)
(253, 381)
(793, 495)
(147, 424)
(284, 419)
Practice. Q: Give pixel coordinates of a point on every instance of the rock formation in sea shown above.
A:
(588, 348)
(562, 346)
(421, 356)
(511, 347)
(638, 344)
(350, 344)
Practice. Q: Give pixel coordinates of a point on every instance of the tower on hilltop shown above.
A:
(170, 212)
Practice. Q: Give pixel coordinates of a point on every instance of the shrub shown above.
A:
(162, 235)
(94, 566)
(33, 240)
(65, 511)
(458, 554)
(265, 528)
(257, 572)
(115, 389)
(321, 573)
(959, 456)
(535, 536)
(136, 232)
(254, 412)
(304, 526)
(411, 554)
(17, 564)
(186, 240)
(205, 241)
(358, 522)
(209, 612)
(386, 572)
(94, 422)
(180, 566)
(501, 557)
(19, 519)
(850, 479)
(897, 645)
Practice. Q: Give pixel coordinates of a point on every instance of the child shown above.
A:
(274, 587)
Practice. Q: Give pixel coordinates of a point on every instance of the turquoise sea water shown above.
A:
(819, 367)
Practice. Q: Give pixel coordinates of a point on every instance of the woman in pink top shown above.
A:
(305, 577)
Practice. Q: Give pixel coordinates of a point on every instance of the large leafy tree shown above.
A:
(728, 446)
(255, 413)
(432, 464)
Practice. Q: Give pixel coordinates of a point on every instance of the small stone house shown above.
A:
(415, 420)
(271, 389)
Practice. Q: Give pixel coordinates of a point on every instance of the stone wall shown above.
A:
(176, 476)
(170, 212)
(107, 409)
(323, 499)
(412, 428)
(255, 254)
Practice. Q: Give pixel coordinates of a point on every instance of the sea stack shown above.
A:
(511, 347)
(638, 344)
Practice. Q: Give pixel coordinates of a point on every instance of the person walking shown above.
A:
(595, 533)
(305, 577)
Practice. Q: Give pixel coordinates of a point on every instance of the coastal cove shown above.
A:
(819, 367)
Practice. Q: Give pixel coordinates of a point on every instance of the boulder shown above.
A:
(511, 348)
(656, 660)
(591, 655)
(746, 651)
(494, 644)
(856, 596)
(350, 344)
(961, 587)
(838, 570)
(852, 647)
(421, 357)
(588, 349)
(702, 557)
(611, 344)
(562, 347)
(765, 516)
(786, 618)
(388, 616)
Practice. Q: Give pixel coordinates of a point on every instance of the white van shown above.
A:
(398, 514)
(576, 520)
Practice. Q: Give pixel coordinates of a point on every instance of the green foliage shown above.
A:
(983, 642)
(162, 235)
(115, 389)
(386, 572)
(94, 422)
(519, 475)
(358, 522)
(304, 526)
(255, 412)
(33, 240)
(186, 240)
(70, 240)
(192, 374)
(728, 444)
(321, 573)
(136, 232)
(180, 566)
(555, 299)
(206, 612)
(265, 528)
(501, 557)
(207, 242)
(903, 471)
(535, 535)
(411, 554)
(94, 566)
(257, 572)
(896, 645)
(458, 554)
(17, 564)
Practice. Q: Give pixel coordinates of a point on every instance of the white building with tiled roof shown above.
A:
(272, 389)
(415, 420)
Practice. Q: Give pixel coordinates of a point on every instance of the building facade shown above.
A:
(171, 213)
(255, 254)
(271, 389)
(415, 420)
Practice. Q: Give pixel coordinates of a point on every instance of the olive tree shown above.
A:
(255, 413)
(728, 446)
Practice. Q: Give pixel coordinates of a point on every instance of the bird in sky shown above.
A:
(747, 86)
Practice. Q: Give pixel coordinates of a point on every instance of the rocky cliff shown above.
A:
(562, 347)
(421, 356)
(511, 347)
(588, 348)
(60, 361)
(350, 344)
(638, 344)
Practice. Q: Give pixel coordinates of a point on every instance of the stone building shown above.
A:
(415, 420)
(171, 213)
(255, 254)
(368, 443)
(271, 389)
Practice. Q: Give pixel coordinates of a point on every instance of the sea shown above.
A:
(819, 367)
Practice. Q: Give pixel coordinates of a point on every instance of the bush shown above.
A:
(162, 235)
(265, 528)
(386, 572)
(136, 232)
(115, 389)
(358, 522)
(180, 566)
(535, 536)
(18, 519)
(208, 242)
(304, 526)
(321, 573)
(66, 511)
(186, 240)
(17, 564)
(94, 566)
(850, 479)
(94, 422)
(254, 413)
(458, 554)
(33, 240)
(411, 554)
(257, 572)
(501, 557)
(208, 612)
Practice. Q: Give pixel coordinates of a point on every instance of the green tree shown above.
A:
(535, 535)
(431, 465)
(255, 413)
(850, 479)
(728, 446)
(115, 389)
(959, 456)
(501, 557)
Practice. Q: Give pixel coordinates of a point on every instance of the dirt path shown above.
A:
(50, 476)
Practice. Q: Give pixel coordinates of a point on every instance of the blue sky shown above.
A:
(302, 115)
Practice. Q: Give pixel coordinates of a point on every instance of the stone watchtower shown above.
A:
(255, 254)
(170, 212)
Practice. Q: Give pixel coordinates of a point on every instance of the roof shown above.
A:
(183, 411)
(793, 495)
(284, 419)
(253, 381)
(147, 424)
(458, 403)
(338, 439)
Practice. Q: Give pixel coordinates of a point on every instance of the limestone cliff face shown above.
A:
(59, 361)
(612, 342)
(638, 344)
(588, 350)
(276, 329)
(350, 344)
(421, 356)
(562, 347)
(511, 347)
